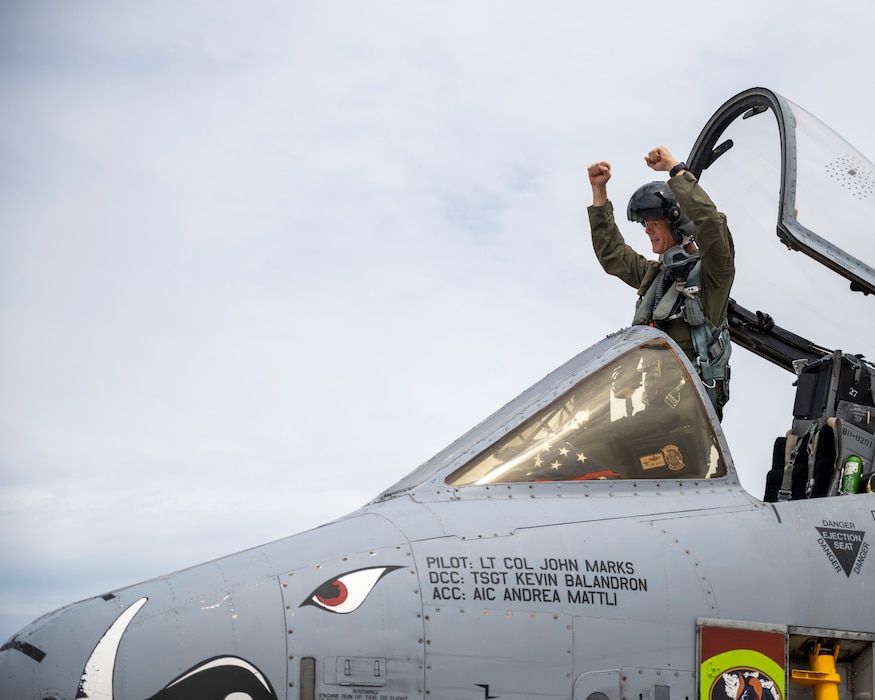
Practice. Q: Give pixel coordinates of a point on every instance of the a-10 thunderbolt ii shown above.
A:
(589, 540)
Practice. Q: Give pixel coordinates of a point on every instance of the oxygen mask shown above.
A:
(678, 262)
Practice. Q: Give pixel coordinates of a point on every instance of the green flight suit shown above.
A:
(716, 250)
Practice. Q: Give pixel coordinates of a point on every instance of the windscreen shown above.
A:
(637, 418)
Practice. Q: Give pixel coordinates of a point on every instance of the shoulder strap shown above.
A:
(786, 491)
(712, 344)
(663, 301)
(646, 302)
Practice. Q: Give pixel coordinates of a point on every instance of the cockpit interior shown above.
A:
(638, 417)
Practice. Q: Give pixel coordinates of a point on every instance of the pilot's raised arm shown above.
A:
(713, 240)
(686, 291)
(615, 255)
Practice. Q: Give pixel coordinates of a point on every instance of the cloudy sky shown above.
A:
(260, 260)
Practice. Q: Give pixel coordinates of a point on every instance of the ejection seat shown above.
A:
(833, 419)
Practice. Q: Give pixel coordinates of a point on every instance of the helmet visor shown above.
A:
(642, 216)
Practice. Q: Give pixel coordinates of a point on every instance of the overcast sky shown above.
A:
(260, 260)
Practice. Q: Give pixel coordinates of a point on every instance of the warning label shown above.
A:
(845, 548)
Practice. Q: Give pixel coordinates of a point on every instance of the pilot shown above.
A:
(686, 291)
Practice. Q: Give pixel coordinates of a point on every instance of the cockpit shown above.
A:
(638, 417)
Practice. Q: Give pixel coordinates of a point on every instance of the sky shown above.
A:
(258, 261)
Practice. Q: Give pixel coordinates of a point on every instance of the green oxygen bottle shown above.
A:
(851, 475)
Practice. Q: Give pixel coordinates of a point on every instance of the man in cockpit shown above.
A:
(685, 292)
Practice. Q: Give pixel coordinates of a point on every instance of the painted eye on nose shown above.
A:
(345, 593)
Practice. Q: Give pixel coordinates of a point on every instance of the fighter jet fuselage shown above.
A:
(588, 540)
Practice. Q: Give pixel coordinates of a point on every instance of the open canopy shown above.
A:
(827, 192)
(774, 168)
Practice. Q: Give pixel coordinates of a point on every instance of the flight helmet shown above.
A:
(655, 200)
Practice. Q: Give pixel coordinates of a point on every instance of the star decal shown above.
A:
(563, 461)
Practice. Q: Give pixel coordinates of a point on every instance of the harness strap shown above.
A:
(786, 490)
(711, 343)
